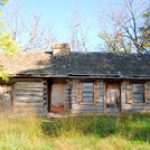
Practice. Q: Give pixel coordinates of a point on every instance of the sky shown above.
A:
(59, 12)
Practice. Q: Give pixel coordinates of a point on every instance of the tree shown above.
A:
(79, 32)
(30, 31)
(145, 30)
(7, 45)
(124, 34)
(3, 2)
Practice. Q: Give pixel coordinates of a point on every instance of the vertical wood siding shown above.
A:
(147, 92)
(129, 93)
(99, 91)
(79, 91)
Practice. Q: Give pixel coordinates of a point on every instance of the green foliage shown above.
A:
(3, 74)
(7, 45)
(130, 131)
(145, 29)
(130, 126)
(3, 2)
(115, 42)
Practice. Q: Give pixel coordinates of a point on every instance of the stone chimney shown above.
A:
(61, 49)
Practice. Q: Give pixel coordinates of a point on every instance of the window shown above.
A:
(88, 92)
(138, 93)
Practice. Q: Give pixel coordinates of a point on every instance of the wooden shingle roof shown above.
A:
(78, 64)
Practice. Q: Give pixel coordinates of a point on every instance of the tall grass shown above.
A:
(129, 126)
(130, 131)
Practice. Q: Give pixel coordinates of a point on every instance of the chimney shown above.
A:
(61, 49)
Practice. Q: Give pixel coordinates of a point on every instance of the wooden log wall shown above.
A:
(130, 101)
(30, 96)
(147, 92)
(78, 106)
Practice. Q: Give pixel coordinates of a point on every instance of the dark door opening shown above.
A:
(113, 98)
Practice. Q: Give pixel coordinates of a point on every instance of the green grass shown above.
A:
(129, 131)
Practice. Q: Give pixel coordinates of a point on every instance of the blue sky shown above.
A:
(59, 13)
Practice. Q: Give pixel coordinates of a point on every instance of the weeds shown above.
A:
(130, 131)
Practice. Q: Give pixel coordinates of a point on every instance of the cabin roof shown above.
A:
(78, 64)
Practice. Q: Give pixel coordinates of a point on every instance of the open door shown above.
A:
(113, 100)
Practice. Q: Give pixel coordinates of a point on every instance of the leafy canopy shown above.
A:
(7, 45)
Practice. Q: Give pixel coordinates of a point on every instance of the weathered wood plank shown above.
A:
(23, 93)
(123, 96)
(78, 91)
(28, 110)
(101, 89)
(88, 98)
(76, 105)
(138, 98)
(28, 104)
(96, 92)
(30, 86)
(87, 85)
(30, 90)
(30, 96)
(87, 94)
(129, 93)
(147, 92)
(19, 98)
(29, 101)
(138, 88)
(88, 108)
(88, 90)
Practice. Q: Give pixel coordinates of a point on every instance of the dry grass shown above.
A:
(130, 131)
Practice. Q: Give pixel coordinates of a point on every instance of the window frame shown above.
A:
(84, 100)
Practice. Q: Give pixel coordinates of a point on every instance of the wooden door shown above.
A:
(113, 98)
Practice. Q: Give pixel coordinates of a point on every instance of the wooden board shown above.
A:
(78, 91)
(147, 92)
(30, 95)
(138, 98)
(138, 88)
(129, 93)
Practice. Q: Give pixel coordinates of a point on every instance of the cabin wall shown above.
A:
(78, 105)
(128, 105)
(58, 95)
(30, 97)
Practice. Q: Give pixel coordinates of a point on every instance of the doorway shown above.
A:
(113, 98)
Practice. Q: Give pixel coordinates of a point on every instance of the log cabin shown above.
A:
(68, 82)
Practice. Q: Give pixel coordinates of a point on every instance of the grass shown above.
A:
(129, 131)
